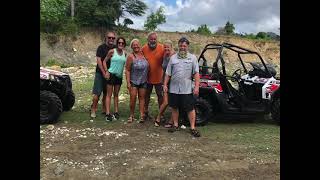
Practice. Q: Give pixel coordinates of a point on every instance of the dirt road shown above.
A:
(142, 151)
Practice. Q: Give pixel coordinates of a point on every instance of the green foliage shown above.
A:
(52, 14)
(70, 27)
(250, 36)
(261, 35)
(55, 15)
(204, 30)
(133, 7)
(53, 10)
(127, 22)
(229, 28)
(54, 62)
(155, 19)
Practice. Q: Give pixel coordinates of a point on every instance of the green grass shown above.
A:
(83, 99)
(261, 138)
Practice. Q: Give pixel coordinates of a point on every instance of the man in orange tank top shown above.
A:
(153, 51)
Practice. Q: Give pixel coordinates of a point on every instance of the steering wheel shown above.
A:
(236, 75)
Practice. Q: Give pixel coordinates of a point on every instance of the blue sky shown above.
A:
(248, 16)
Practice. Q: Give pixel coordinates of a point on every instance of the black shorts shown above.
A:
(114, 80)
(143, 85)
(181, 101)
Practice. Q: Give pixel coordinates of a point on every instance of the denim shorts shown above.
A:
(99, 84)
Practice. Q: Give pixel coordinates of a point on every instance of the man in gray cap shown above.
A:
(182, 67)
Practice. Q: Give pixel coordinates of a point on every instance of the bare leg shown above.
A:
(94, 105)
(108, 98)
(142, 95)
(159, 92)
(133, 96)
(104, 101)
(163, 106)
(175, 116)
(192, 118)
(147, 99)
(116, 97)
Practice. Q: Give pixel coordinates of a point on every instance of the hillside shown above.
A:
(80, 50)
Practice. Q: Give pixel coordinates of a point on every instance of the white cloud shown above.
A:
(250, 16)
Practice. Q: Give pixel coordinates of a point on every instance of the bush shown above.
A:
(70, 27)
(53, 62)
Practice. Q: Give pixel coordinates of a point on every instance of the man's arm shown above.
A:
(106, 59)
(196, 78)
(103, 71)
(167, 76)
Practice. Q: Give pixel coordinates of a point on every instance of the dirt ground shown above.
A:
(142, 151)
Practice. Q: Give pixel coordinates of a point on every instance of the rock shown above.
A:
(59, 170)
(50, 127)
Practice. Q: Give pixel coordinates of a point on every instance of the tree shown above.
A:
(203, 29)
(56, 15)
(105, 12)
(261, 35)
(229, 28)
(52, 13)
(154, 19)
(127, 21)
(72, 9)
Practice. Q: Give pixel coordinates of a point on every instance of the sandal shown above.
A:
(156, 123)
(163, 119)
(141, 120)
(130, 119)
(195, 133)
(173, 129)
(168, 125)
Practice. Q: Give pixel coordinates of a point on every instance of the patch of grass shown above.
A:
(83, 100)
(54, 62)
(259, 138)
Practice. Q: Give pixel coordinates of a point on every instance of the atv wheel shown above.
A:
(203, 111)
(50, 107)
(68, 101)
(275, 110)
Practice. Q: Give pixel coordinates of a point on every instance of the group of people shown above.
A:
(151, 65)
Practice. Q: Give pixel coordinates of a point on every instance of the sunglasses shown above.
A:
(111, 38)
(120, 42)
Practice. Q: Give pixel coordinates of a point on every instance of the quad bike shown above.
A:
(56, 95)
(244, 93)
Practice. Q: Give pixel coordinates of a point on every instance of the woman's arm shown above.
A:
(128, 69)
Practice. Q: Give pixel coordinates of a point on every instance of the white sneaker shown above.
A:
(93, 114)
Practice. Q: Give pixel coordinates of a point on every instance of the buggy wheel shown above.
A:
(68, 101)
(50, 107)
(275, 110)
(203, 113)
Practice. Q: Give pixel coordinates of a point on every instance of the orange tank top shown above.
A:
(154, 58)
